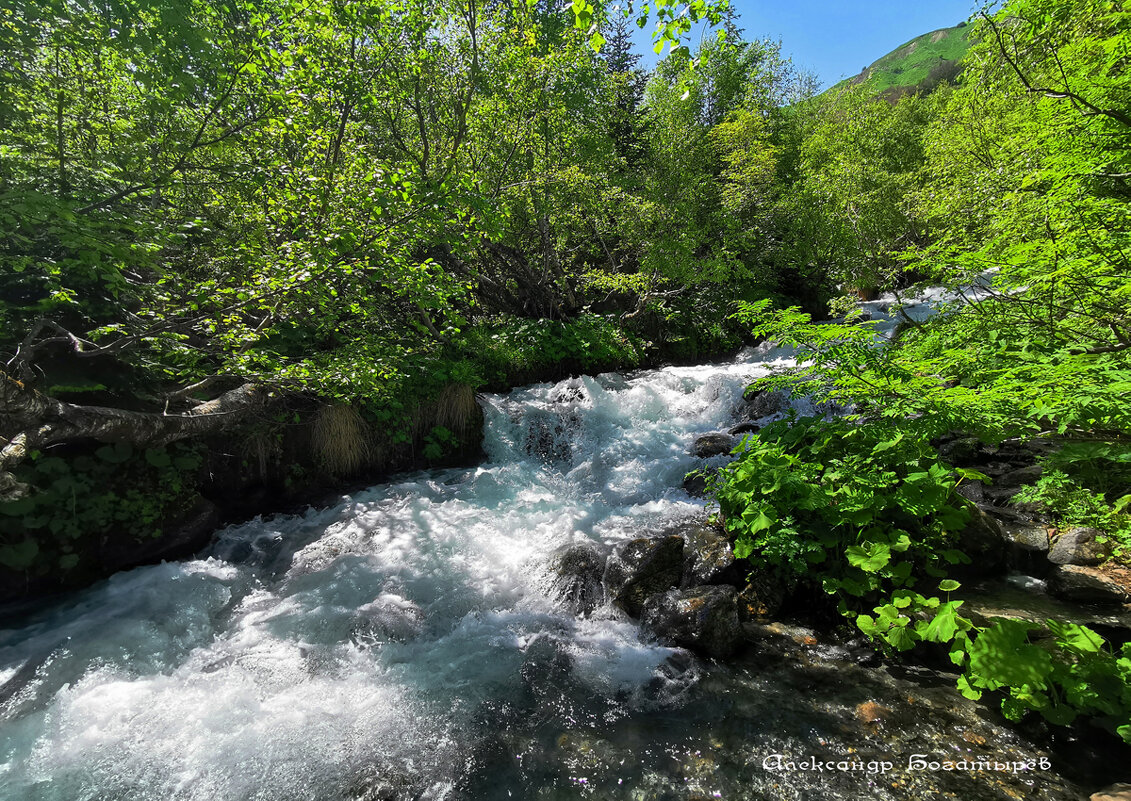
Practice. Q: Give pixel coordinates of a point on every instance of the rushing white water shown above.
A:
(402, 643)
(298, 649)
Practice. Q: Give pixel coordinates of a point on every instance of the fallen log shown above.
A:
(30, 420)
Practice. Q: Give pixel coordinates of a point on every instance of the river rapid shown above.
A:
(406, 643)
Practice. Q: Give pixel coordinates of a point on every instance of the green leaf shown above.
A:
(967, 690)
(1080, 639)
(1003, 655)
(949, 585)
(900, 638)
(157, 457)
(944, 625)
(870, 557)
(115, 454)
(972, 475)
(20, 556)
(888, 444)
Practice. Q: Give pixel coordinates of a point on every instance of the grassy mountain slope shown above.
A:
(916, 64)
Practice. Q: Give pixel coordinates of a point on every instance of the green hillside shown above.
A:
(916, 64)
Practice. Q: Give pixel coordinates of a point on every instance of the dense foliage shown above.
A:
(1011, 191)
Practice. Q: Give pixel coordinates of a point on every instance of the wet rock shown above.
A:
(974, 491)
(762, 403)
(1019, 478)
(548, 437)
(862, 651)
(641, 568)
(1117, 792)
(748, 427)
(1031, 537)
(1028, 546)
(984, 542)
(577, 572)
(703, 619)
(1080, 546)
(695, 482)
(383, 783)
(708, 557)
(872, 712)
(713, 445)
(961, 451)
(490, 762)
(387, 617)
(612, 382)
(1014, 599)
(1088, 585)
(761, 597)
(1012, 514)
(995, 469)
(568, 393)
(547, 666)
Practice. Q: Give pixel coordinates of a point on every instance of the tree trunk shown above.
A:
(30, 420)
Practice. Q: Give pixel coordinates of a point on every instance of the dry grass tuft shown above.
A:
(456, 407)
(341, 439)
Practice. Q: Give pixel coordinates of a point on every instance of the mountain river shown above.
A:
(405, 644)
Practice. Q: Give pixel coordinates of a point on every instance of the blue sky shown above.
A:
(837, 39)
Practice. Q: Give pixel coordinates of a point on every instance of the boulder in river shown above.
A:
(695, 482)
(703, 619)
(1027, 537)
(1090, 585)
(548, 436)
(1020, 477)
(747, 427)
(1080, 546)
(713, 445)
(708, 557)
(973, 491)
(577, 573)
(643, 567)
(763, 403)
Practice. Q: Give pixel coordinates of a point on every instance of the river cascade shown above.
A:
(405, 643)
